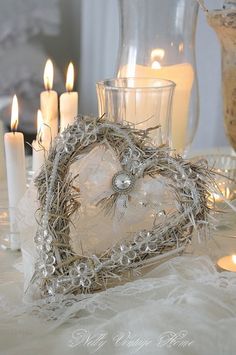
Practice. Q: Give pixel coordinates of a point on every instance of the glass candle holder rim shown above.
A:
(217, 159)
(167, 84)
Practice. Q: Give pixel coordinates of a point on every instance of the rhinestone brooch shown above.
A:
(123, 182)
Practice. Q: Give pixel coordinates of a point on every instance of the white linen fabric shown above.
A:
(182, 307)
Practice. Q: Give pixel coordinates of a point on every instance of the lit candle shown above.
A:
(39, 145)
(183, 76)
(227, 263)
(49, 103)
(68, 101)
(16, 174)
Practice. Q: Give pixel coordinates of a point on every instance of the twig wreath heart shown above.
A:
(58, 269)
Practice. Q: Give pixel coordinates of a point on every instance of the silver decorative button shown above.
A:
(122, 182)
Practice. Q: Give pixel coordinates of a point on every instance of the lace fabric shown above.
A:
(185, 294)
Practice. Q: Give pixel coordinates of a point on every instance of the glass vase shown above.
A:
(157, 40)
(144, 102)
(224, 23)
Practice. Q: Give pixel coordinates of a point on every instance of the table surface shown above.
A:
(197, 301)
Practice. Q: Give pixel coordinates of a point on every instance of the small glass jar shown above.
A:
(144, 102)
(157, 39)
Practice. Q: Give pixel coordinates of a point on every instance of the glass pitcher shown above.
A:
(157, 40)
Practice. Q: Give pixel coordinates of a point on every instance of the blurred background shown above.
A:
(87, 33)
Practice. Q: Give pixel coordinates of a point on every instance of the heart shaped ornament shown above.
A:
(111, 203)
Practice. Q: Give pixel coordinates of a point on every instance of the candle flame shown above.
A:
(227, 193)
(39, 125)
(48, 75)
(156, 65)
(234, 259)
(70, 77)
(157, 55)
(181, 47)
(14, 114)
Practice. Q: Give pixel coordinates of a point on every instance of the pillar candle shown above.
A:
(68, 101)
(49, 104)
(16, 173)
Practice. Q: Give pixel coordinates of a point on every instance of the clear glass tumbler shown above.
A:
(144, 102)
(157, 39)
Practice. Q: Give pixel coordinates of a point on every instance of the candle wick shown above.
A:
(14, 127)
(47, 84)
(39, 137)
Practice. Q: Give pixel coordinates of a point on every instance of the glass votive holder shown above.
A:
(145, 103)
(224, 167)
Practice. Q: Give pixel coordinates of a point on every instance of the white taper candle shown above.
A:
(68, 101)
(16, 173)
(49, 103)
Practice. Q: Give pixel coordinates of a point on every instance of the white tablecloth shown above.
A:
(185, 306)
